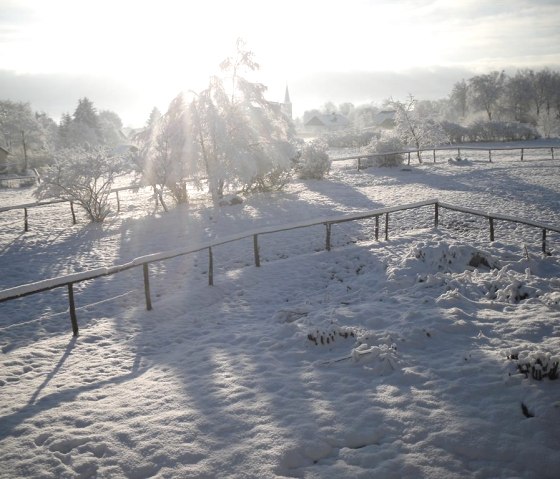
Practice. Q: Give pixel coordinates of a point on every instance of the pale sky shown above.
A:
(131, 55)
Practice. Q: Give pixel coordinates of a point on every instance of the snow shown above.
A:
(375, 359)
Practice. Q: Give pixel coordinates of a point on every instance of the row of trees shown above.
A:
(33, 138)
(528, 96)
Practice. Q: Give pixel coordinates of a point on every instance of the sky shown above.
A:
(129, 56)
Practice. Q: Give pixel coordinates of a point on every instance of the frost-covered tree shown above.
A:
(85, 177)
(485, 91)
(415, 128)
(241, 139)
(459, 98)
(517, 96)
(24, 134)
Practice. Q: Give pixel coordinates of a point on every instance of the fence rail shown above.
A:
(458, 148)
(145, 261)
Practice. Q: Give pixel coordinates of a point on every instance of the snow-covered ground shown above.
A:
(376, 359)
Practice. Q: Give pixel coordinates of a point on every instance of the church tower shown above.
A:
(287, 105)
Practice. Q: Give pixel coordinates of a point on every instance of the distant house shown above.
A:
(385, 118)
(326, 122)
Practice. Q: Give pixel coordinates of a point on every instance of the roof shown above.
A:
(328, 120)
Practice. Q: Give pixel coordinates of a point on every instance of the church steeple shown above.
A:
(287, 105)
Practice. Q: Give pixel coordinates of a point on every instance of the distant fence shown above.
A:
(365, 158)
(26, 207)
(144, 261)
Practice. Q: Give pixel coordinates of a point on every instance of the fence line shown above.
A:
(370, 156)
(144, 261)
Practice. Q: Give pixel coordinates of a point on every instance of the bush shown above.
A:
(350, 139)
(385, 148)
(84, 177)
(314, 161)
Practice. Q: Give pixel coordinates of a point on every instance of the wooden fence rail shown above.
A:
(369, 156)
(145, 261)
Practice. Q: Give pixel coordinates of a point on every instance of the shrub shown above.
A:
(385, 148)
(314, 161)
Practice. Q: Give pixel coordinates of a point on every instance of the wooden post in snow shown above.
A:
(386, 226)
(256, 251)
(72, 308)
(544, 241)
(147, 287)
(376, 227)
(25, 220)
(328, 236)
(73, 213)
(118, 202)
(436, 216)
(521, 154)
(491, 220)
(210, 267)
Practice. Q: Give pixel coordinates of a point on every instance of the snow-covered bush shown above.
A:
(538, 365)
(385, 149)
(500, 131)
(85, 177)
(350, 139)
(314, 161)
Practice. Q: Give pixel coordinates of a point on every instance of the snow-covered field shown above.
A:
(376, 359)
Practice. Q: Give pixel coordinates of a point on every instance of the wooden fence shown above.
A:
(144, 261)
(362, 160)
(26, 207)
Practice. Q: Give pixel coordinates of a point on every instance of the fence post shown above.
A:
(256, 251)
(490, 156)
(328, 237)
(25, 221)
(552, 151)
(359, 164)
(521, 154)
(458, 152)
(73, 213)
(376, 227)
(491, 220)
(210, 267)
(409, 157)
(436, 217)
(147, 287)
(386, 226)
(72, 307)
(118, 202)
(434, 156)
(544, 241)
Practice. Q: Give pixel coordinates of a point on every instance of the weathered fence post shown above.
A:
(434, 156)
(210, 267)
(328, 236)
(458, 152)
(491, 220)
(409, 157)
(544, 241)
(490, 156)
(436, 216)
(552, 151)
(386, 226)
(118, 202)
(73, 213)
(376, 227)
(256, 251)
(25, 221)
(147, 287)
(521, 154)
(72, 307)
(359, 164)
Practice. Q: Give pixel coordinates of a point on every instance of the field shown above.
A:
(399, 358)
